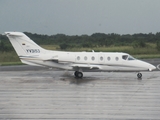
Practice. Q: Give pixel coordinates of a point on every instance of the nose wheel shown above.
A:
(78, 74)
(139, 75)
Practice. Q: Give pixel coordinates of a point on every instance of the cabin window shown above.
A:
(93, 58)
(124, 57)
(85, 58)
(78, 58)
(117, 58)
(101, 58)
(108, 58)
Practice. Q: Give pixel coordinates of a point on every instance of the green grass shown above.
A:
(9, 57)
(50, 47)
(148, 56)
(11, 63)
(126, 49)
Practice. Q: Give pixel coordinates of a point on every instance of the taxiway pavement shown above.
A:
(32, 93)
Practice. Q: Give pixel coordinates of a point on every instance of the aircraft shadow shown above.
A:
(73, 80)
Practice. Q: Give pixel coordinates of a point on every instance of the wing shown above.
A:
(49, 58)
(85, 66)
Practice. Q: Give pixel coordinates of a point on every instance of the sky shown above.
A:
(79, 17)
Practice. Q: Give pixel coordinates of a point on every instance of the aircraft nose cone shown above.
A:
(152, 67)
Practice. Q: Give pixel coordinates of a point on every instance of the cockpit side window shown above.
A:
(124, 57)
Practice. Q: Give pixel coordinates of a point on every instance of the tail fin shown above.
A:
(23, 45)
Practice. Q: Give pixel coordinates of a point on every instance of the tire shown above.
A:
(139, 75)
(78, 74)
(75, 73)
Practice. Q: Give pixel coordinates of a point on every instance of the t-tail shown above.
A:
(24, 46)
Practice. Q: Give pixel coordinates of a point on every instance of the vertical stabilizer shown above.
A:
(23, 45)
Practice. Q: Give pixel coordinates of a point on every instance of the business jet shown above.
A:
(32, 54)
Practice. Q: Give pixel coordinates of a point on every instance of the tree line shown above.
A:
(88, 41)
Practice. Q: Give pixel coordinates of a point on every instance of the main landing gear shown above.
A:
(139, 75)
(78, 74)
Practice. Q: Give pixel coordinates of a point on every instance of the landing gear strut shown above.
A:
(78, 74)
(139, 75)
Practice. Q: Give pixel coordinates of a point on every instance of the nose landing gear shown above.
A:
(78, 74)
(139, 75)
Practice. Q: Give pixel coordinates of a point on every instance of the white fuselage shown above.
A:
(84, 61)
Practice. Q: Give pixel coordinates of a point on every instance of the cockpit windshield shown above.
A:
(131, 58)
(128, 57)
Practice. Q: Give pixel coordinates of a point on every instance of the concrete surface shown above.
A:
(54, 94)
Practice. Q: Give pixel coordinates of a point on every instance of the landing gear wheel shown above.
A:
(139, 75)
(78, 74)
(75, 73)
